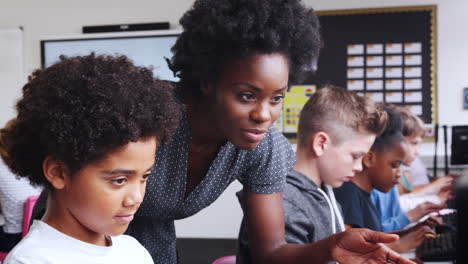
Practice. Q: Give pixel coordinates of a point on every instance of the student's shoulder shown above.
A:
(346, 187)
(125, 240)
(15, 259)
(299, 193)
(293, 198)
(295, 208)
(31, 249)
(347, 192)
(298, 187)
(42, 244)
(129, 244)
(126, 244)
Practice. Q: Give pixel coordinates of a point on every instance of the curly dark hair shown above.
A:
(81, 108)
(217, 30)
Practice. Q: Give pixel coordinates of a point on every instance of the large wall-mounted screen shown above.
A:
(147, 49)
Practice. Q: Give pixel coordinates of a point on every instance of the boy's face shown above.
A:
(340, 163)
(385, 171)
(103, 196)
(414, 142)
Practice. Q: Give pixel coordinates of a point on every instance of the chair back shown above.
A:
(27, 214)
(231, 259)
(28, 209)
(3, 256)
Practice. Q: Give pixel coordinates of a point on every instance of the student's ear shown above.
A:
(55, 172)
(319, 143)
(369, 159)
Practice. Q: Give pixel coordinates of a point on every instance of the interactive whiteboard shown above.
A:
(148, 48)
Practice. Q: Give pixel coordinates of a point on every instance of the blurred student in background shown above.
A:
(393, 217)
(437, 192)
(13, 194)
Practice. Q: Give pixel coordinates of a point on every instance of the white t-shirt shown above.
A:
(410, 201)
(418, 172)
(46, 245)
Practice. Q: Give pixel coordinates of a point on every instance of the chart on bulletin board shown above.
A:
(294, 100)
(387, 54)
(387, 72)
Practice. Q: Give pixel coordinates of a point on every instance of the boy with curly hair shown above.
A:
(87, 129)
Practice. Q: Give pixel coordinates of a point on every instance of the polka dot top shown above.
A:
(260, 170)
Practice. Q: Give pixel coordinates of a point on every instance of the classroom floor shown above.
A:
(204, 251)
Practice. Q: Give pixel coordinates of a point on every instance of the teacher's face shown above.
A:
(248, 97)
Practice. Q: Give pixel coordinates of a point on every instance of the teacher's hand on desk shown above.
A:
(359, 245)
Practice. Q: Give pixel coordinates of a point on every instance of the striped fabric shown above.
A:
(13, 195)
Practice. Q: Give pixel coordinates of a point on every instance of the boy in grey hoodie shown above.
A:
(336, 129)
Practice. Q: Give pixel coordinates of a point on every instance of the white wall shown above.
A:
(58, 17)
(55, 17)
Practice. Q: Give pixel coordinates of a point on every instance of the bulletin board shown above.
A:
(388, 54)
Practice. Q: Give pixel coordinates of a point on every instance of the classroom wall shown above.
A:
(57, 17)
(47, 18)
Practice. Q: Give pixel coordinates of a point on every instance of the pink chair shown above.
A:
(28, 209)
(3, 256)
(27, 214)
(225, 260)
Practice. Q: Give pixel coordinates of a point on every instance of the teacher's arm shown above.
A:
(264, 218)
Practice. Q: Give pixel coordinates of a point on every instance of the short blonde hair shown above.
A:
(337, 111)
(412, 124)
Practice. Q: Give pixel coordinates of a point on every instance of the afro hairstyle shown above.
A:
(81, 108)
(215, 31)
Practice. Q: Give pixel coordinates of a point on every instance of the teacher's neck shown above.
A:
(205, 128)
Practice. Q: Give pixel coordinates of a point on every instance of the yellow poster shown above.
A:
(295, 99)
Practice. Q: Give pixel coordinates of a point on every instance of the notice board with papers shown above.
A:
(387, 54)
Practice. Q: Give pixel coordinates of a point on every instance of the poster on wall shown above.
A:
(388, 54)
(294, 100)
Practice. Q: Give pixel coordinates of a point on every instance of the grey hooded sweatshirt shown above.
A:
(310, 213)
